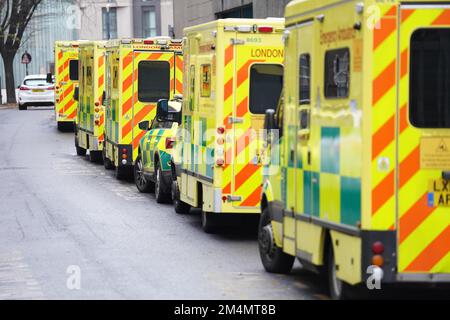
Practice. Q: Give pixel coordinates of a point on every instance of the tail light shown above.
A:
(97, 104)
(22, 88)
(378, 260)
(221, 130)
(97, 122)
(170, 142)
(51, 88)
(124, 150)
(220, 162)
(97, 110)
(149, 42)
(378, 247)
(265, 29)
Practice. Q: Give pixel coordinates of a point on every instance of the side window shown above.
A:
(337, 73)
(115, 82)
(206, 81)
(192, 87)
(89, 76)
(305, 79)
(153, 81)
(73, 70)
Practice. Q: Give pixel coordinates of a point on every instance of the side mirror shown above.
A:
(76, 94)
(49, 78)
(144, 125)
(269, 120)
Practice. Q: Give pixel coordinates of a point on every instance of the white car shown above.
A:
(35, 91)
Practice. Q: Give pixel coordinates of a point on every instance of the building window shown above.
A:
(429, 100)
(337, 73)
(239, 12)
(149, 23)
(112, 23)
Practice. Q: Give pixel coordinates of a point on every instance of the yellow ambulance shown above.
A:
(233, 72)
(139, 72)
(66, 79)
(360, 187)
(89, 131)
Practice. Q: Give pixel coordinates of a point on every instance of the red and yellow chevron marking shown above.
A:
(179, 74)
(65, 106)
(424, 231)
(100, 129)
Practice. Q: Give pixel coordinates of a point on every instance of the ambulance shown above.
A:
(66, 79)
(139, 72)
(359, 189)
(233, 72)
(89, 131)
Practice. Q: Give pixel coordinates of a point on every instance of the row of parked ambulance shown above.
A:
(333, 125)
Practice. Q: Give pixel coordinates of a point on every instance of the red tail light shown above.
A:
(149, 42)
(170, 142)
(378, 247)
(265, 29)
(51, 88)
(22, 88)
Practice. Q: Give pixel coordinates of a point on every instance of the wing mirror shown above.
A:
(76, 94)
(49, 78)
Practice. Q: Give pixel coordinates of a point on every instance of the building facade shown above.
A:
(192, 12)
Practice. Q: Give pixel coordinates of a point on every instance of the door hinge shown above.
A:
(233, 120)
(237, 42)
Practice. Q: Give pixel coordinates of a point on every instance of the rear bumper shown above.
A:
(36, 99)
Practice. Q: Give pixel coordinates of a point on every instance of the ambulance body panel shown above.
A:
(139, 73)
(364, 153)
(233, 72)
(66, 80)
(91, 118)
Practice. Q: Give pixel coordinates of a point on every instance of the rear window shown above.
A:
(153, 81)
(35, 82)
(430, 78)
(266, 83)
(73, 70)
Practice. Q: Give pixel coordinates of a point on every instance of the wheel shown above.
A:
(22, 107)
(95, 156)
(339, 290)
(209, 223)
(62, 127)
(80, 151)
(273, 258)
(142, 183)
(160, 187)
(180, 206)
(106, 162)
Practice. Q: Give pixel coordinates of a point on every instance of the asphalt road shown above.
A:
(59, 213)
(69, 230)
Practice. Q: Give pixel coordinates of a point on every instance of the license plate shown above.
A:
(439, 193)
(38, 90)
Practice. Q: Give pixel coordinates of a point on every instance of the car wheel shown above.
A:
(273, 258)
(339, 290)
(160, 187)
(22, 107)
(209, 222)
(106, 162)
(142, 183)
(80, 151)
(95, 156)
(179, 206)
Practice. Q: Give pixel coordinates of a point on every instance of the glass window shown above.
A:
(153, 81)
(337, 73)
(266, 83)
(36, 82)
(111, 25)
(89, 76)
(430, 78)
(206, 80)
(305, 79)
(73, 70)
(149, 23)
(192, 87)
(115, 77)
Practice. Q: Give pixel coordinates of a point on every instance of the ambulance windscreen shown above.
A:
(266, 84)
(153, 81)
(429, 91)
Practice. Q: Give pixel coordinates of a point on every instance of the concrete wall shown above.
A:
(193, 12)
(91, 18)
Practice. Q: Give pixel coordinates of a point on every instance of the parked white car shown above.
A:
(35, 91)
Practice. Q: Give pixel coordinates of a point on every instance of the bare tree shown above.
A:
(14, 18)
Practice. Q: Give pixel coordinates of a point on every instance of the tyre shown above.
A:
(339, 290)
(179, 206)
(80, 151)
(209, 222)
(273, 258)
(142, 183)
(62, 127)
(95, 156)
(161, 195)
(106, 162)
(22, 107)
